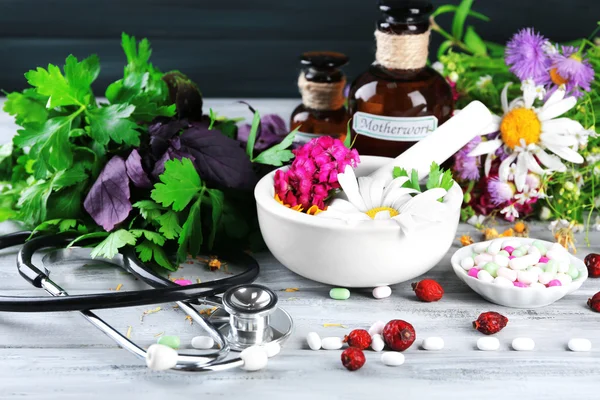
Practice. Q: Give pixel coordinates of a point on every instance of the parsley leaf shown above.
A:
(112, 122)
(149, 210)
(191, 238)
(32, 202)
(169, 224)
(28, 107)
(253, 134)
(180, 183)
(439, 178)
(149, 235)
(110, 246)
(69, 177)
(279, 153)
(148, 250)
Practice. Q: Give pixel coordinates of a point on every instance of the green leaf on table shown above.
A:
(460, 16)
(191, 238)
(110, 246)
(28, 107)
(474, 42)
(253, 134)
(65, 203)
(149, 210)
(278, 154)
(149, 235)
(217, 199)
(112, 122)
(148, 251)
(180, 183)
(7, 214)
(169, 224)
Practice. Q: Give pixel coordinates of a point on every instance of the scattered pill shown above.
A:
(160, 357)
(491, 268)
(527, 277)
(523, 344)
(377, 328)
(331, 343)
(495, 247)
(502, 281)
(313, 340)
(578, 344)
(467, 263)
(255, 358)
(433, 343)
(564, 279)
(508, 274)
(480, 247)
(488, 344)
(271, 348)
(392, 358)
(339, 293)
(501, 260)
(203, 342)
(377, 343)
(170, 341)
(382, 292)
(484, 276)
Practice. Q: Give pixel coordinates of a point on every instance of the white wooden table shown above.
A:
(61, 356)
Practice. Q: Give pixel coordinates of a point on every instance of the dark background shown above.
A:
(239, 48)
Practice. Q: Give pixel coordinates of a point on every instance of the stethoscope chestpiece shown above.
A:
(249, 307)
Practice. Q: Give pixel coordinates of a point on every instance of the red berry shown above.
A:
(353, 358)
(594, 302)
(358, 338)
(399, 335)
(592, 262)
(490, 322)
(428, 290)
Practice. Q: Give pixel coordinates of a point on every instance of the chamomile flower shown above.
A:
(526, 132)
(374, 199)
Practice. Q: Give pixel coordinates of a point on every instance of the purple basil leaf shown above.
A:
(107, 202)
(161, 130)
(185, 94)
(219, 159)
(175, 151)
(271, 132)
(135, 171)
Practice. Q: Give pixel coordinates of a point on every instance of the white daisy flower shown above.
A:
(526, 133)
(483, 81)
(510, 212)
(373, 199)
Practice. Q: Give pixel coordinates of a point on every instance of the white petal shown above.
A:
(406, 222)
(349, 185)
(521, 171)
(492, 127)
(390, 198)
(364, 186)
(561, 125)
(425, 205)
(486, 147)
(555, 97)
(566, 153)
(505, 166)
(529, 96)
(558, 140)
(553, 111)
(532, 164)
(385, 214)
(342, 206)
(504, 97)
(376, 192)
(488, 164)
(550, 161)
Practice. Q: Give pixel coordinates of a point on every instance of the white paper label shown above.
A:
(399, 129)
(302, 137)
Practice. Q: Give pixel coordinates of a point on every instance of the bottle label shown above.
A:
(398, 129)
(303, 138)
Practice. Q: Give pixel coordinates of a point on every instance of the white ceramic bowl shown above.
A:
(364, 254)
(517, 297)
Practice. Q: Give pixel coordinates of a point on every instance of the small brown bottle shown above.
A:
(321, 84)
(399, 100)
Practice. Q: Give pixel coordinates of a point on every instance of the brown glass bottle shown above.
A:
(392, 108)
(321, 84)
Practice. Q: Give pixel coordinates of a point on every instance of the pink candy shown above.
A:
(183, 282)
(473, 272)
(511, 257)
(509, 249)
(554, 282)
(544, 259)
(520, 284)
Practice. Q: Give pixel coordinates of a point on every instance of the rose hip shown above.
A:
(358, 338)
(594, 302)
(592, 262)
(353, 358)
(399, 335)
(490, 322)
(428, 290)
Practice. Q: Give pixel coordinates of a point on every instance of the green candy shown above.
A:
(540, 246)
(523, 249)
(551, 266)
(169, 341)
(339, 294)
(573, 272)
(518, 252)
(503, 253)
(492, 268)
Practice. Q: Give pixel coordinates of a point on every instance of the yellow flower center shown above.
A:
(520, 123)
(556, 78)
(372, 212)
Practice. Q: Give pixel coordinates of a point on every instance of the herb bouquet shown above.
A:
(146, 168)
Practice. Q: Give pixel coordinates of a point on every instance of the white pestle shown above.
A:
(442, 143)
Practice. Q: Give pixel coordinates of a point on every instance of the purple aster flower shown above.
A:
(500, 191)
(572, 70)
(526, 57)
(466, 166)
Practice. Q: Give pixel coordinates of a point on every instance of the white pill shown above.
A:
(160, 357)
(545, 277)
(558, 248)
(377, 343)
(537, 285)
(483, 258)
(563, 266)
(519, 263)
(332, 343)
(578, 344)
(433, 343)
(480, 247)
(515, 244)
(564, 279)
(467, 263)
(484, 276)
(392, 358)
(495, 246)
(558, 255)
(377, 328)
(534, 251)
(381, 292)
(203, 342)
(536, 270)
(507, 273)
(501, 260)
(523, 344)
(314, 341)
(502, 281)
(255, 358)
(527, 277)
(488, 344)
(271, 348)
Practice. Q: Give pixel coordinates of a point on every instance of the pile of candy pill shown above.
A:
(510, 262)
(380, 292)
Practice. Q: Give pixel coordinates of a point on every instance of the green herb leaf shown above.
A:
(191, 238)
(112, 122)
(69, 177)
(412, 183)
(180, 183)
(7, 214)
(32, 202)
(279, 153)
(110, 246)
(92, 235)
(451, 8)
(149, 235)
(148, 251)
(474, 42)
(398, 172)
(458, 23)
(217, 198)
(149, 210)
(252, 135)
(169, 225)
(348, 138)
(28, 107)
(444, 48)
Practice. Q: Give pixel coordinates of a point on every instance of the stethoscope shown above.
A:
(247, 314)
